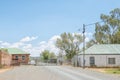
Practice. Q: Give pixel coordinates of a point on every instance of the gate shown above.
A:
(50, 62)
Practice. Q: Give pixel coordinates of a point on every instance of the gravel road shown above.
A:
(54, 73)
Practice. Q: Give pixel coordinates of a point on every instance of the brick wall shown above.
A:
(20, 59)
(5, 58)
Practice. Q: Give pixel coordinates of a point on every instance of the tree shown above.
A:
(52, 55)
(69, 43)
(108, 31)
(117, 37)
(46, 55)
(90, 43)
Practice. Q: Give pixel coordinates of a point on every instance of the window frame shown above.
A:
(16, 57)
(112, 60)
(92, 61)
(23, 57)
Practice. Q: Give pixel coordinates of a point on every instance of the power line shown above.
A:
(84, 29)
(94, 23)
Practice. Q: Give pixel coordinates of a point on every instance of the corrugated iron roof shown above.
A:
(103, 49)
(15, 51)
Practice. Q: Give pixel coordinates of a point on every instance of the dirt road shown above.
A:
(53, 73)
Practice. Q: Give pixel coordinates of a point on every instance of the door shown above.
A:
(92, 61)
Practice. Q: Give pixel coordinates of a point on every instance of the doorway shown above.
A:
(92, 61)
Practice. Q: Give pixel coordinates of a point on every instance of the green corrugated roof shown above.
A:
(103, 49)
(15, 51)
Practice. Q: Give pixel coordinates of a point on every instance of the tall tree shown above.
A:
(108, 31)
(46, 55)
(69, 43)
(52, 55)
(90, 43)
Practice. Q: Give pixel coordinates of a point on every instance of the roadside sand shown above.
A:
(98, 69)
(5, 69)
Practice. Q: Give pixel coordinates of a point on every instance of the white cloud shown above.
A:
(27, 46)
(77, 34)
(5, 44)
(46, 45)
(22, 45)
(42, 42)
(54, 38)
(17, 45)
(87, 39)
(1, 41)
(35, 50)
(27, 39)
(90, 35)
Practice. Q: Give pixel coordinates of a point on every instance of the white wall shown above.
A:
(100, 60)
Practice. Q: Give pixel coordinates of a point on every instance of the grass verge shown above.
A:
(113, 71)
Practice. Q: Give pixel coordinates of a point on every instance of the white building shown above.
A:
(101, 55)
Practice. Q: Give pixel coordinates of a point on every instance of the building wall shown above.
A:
(75, 61)
(5, 58)
(20, 59)
(100, 60)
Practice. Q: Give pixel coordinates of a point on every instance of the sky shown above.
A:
(34, 25)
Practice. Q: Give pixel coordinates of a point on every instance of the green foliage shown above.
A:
(113, 71)
(69, 43)
(52, 55)
(109, 30)
(90, 43)
(46, 55)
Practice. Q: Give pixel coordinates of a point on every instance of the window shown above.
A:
(23, 57)
(16, 57)
(111, 60)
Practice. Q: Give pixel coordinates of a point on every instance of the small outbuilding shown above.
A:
(18, 56)
(99, 55)
(13, 56)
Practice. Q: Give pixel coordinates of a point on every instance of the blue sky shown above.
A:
(41, 20)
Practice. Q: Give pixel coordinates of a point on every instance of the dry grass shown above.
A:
(5, 69)
(107, 70)
(98, 69)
